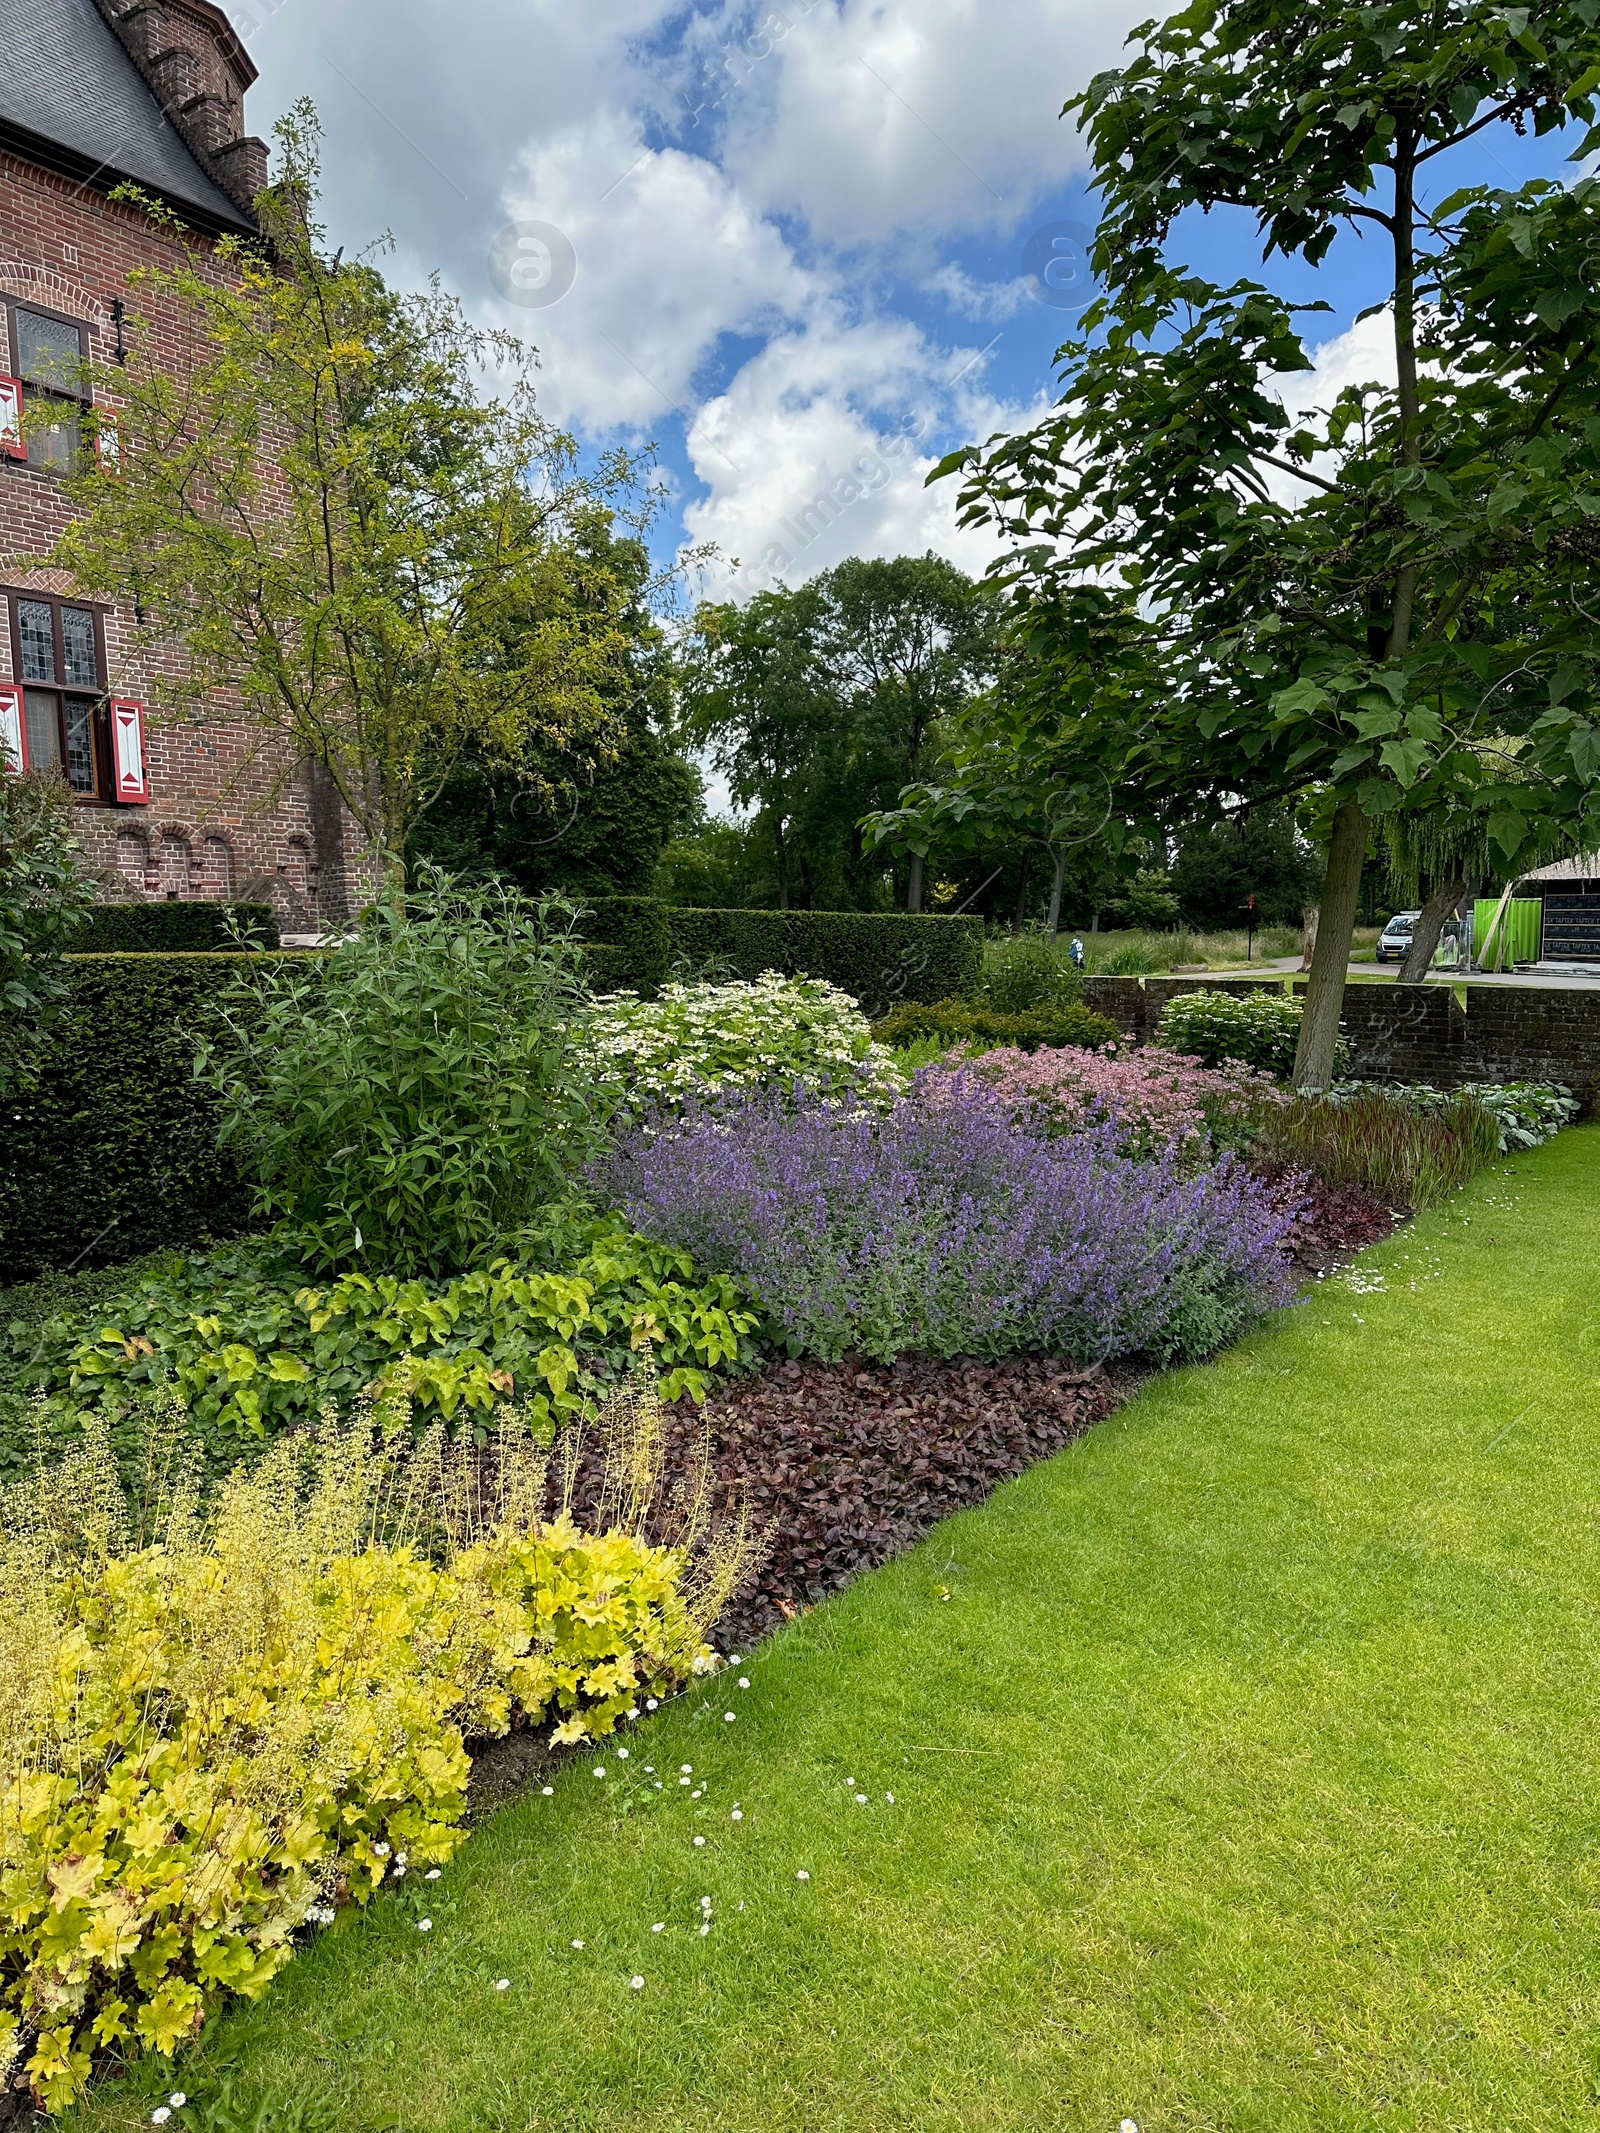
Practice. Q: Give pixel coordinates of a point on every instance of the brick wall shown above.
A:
(1417, 1032)
(230, 813)
(1136, 1005)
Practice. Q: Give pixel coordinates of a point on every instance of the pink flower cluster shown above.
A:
(1158, 1099)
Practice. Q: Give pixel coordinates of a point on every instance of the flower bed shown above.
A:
(213, 1734)
(1526, 1113)
(252, 1352)
(1156, 1099)
(852, 1463)
(946, 1228)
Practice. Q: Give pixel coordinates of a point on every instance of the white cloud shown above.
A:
(1363, 356)
(980, 299)
(869, 117)
(428, 111)
(854, 140)
(807, 461)
(669, 259)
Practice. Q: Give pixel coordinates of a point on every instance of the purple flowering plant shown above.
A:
(950, 1227)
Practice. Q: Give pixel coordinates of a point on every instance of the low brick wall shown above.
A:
(1136, 1005)
(1415, 1032)
(1519, 1034)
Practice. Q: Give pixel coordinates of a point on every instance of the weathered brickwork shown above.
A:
(1416, 1032)
(230, 814)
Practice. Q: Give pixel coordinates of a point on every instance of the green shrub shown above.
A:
(955, 1022)
(879, 958)
(1023, 975)
(1262, 1028)
(42, 893)
(416, 1096)
(1389, 1148)
(1131, 962)
(697, 1038)
(240, 1726)
(114, 1150)
(252, 1352)
(632, 939)
(182, 927)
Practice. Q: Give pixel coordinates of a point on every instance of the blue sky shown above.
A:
(786, 246)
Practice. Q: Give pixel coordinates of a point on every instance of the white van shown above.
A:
(1395, 939)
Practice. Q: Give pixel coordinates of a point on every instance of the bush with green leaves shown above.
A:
(43, 896)
(410, 1099)
(695, 1039)
(252, 1351)
(1026, 975)
(911, 1030)
(1261, 1028)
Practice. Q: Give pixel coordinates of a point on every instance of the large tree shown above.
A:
(1386, 598)
(312, 498)
(821, 702)
(570, 815)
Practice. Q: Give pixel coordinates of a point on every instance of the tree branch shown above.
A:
(1287, 466)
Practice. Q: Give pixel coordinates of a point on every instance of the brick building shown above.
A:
(92, 93)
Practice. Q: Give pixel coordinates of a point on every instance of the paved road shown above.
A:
(1564, 977)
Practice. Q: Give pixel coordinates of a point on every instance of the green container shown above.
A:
(1517, 937)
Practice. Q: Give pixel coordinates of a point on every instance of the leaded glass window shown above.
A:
(81, 669)
(36, 628)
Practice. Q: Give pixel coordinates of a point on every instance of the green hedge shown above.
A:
(956, 1022)
(633, 943)
(179, 927)
(115, 1152)
(879, 958)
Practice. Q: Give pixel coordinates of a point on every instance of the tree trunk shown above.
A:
(914, 892)
(1022, 891)
(1055, 894)
(1319, 1026)
(1424, 940)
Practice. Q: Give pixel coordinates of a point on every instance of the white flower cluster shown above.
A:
(696, 1038)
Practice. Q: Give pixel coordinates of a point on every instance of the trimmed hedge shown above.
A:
(633, 943)
(878, 957)
(115, 1152)
(185, 926)
(956, 1022)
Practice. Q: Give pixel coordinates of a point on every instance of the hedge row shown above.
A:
(184, 926)
(880, 958)
(115, 1153)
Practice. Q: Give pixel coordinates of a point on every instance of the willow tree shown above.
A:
(1385, 599)
(316, 503)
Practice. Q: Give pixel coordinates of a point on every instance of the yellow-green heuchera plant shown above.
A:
(217, 1730)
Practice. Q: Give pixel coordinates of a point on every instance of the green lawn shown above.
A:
(1244, 1772)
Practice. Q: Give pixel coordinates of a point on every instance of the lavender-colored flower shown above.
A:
(949, 1227)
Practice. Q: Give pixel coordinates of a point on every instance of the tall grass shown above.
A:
(1132, 954)
(1381, 1144)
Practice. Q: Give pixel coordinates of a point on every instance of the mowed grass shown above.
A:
(1244, 1776)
